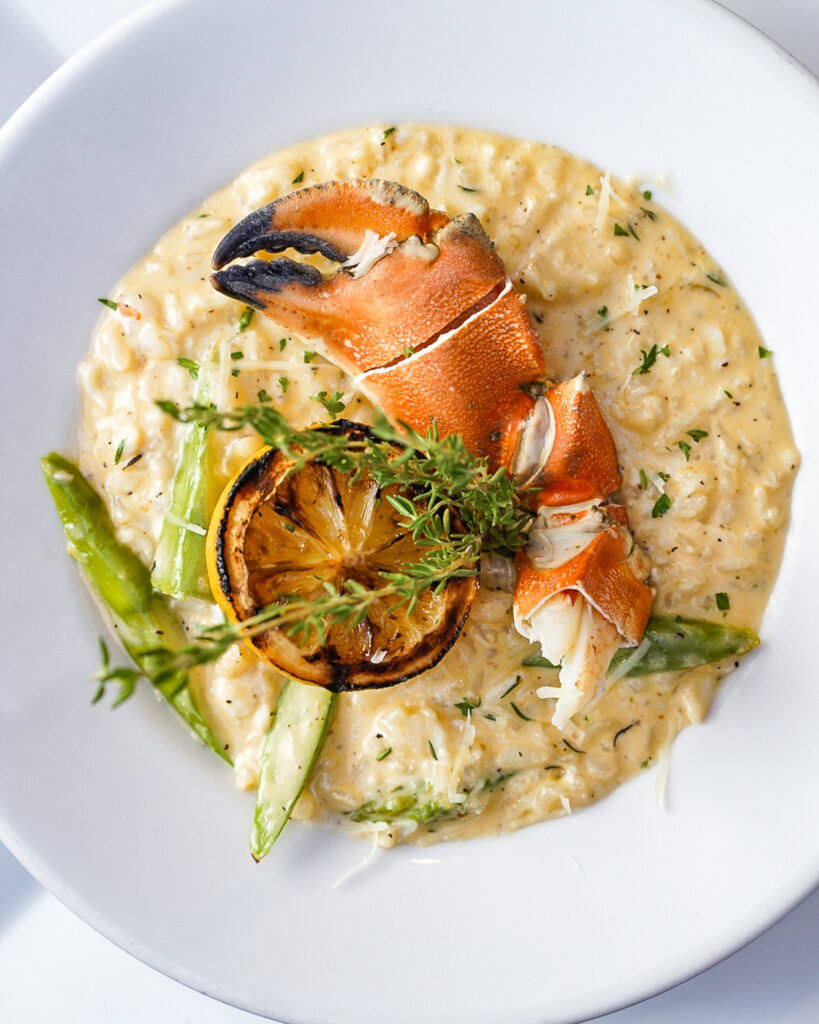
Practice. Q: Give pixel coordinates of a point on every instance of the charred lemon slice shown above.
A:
(281, 535)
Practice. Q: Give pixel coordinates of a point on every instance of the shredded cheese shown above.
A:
(458, 765)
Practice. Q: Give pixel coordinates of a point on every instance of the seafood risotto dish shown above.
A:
(435, 478)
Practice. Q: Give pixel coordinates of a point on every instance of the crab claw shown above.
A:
(560, 444)
(407, 274)
(581, 593)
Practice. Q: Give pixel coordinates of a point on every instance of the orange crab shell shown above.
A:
(459, 382)
(583, 462)
(603, 572)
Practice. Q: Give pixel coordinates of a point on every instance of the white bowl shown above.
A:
(139, 829)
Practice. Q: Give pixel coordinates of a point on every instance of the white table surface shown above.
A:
(53, 967)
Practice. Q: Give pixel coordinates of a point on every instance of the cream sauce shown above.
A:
(607, 276)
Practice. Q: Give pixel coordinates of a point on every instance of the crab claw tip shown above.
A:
(256, 234)
(251, 282)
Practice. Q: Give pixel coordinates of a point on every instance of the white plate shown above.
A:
(140, 830)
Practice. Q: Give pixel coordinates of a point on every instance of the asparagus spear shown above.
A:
(179, 563)
(290, 749)
(145, 625)
(409, 803)
(676, 643)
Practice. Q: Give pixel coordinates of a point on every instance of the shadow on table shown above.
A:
(17, 888)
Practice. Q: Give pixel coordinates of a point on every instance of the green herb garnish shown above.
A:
(648, 359)
(245, 318)
(432, 750)
(466, 706)
(697, 435)
(519, 713)
(309, 356)
(334, 404)
(263, 396)
(118, 453)
(384, 753)
(109, 303)
(620, 232)
(299, 178)
(764, 352)
(589, 190)
(717, 280)
(685, 449)
(189, 365)
(284, 383)
(723, 601)
(661, 506)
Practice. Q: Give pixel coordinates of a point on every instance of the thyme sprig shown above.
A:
(447, 479)
(449, 503)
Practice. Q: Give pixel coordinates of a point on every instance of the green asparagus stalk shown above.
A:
(290, 749)
(179, 563)
(408, 803)
(142, 619)
(675, 643)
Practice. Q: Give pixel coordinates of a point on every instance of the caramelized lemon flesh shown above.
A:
(280, 534)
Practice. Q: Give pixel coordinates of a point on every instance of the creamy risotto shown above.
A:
(616, 288)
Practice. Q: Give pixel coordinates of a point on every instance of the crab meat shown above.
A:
(421, 313)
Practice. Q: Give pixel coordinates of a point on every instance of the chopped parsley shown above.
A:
(334, 405)
(466, 705)
(603, 312)
(109, 303)
(299, 178)
(697, 435)
(664, 476)
(643, 480)
(465, 188)
(290, 527)
(589, 190)
(284, 383)
(685, 448)
(309, 356)
(723, 601)
(728, 393)
(245, 318)
(647, 193)
(432, 750)
(644, 764)
(282, 344)
(118, 453)
(764, 352)
(620, 232)
(237, 355)
(189, 365)
(717, 280)
(384, 753)
(408, 351)
(649, 213)
(388, 132)
(263, 396)
(648, 359)
(661, 506)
